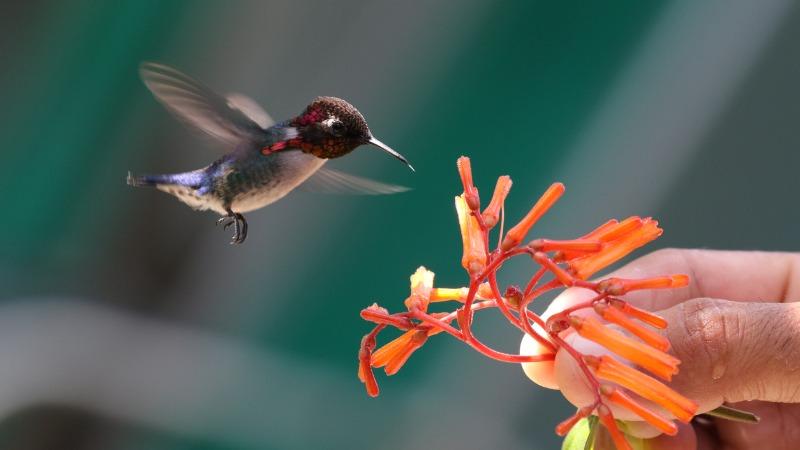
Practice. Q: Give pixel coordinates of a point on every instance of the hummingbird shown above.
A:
(266, 160)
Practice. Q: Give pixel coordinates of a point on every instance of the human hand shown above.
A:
(736, 329)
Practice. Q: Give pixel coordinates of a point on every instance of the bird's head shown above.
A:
(330, 127)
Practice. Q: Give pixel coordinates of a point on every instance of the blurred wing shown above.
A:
(231, 119)
(251, 109)
(331, 181)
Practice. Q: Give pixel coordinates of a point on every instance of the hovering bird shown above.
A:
(266, 160)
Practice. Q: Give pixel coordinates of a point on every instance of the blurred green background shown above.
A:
(127, 320)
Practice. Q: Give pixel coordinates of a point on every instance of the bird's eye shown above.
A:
(337, 128)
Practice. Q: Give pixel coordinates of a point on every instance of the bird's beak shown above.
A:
(387, 149)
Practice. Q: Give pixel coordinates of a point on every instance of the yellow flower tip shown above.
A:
(421, 288)
(474, 256)
(654, 360)
(492, 212)
(645, 386)
(516, 234)
(422, 281)
(447, 294)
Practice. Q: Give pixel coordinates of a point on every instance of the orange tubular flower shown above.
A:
(394, 354)
(621, 229)
(602, 230)
(607, 419)
(615, 395)
(640, 314)
(546, 201)
(621, 286)
(609, 369)
(616, 316)
(633, 237)
(474, 258)
(652, 359)
(365, 373)
(563, 428)
(578, 246)
(470, 191)
(492, 212)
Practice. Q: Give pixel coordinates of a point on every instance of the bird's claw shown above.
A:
(239, 224)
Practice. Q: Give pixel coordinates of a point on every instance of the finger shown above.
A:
(732, 275)
(735, 351)
(686, 439)
(779, 428)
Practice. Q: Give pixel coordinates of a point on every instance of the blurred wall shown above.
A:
(127, 321)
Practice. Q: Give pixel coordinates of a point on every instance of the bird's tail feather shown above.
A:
(144, 180)
(189, 179)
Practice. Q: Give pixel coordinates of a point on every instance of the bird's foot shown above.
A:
(239, 224)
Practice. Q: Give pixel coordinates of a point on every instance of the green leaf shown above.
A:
(736, 415)
(581, 436)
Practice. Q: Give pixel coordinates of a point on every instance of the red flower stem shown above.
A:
(524, 325)
(533, 281)
(562, 315)
(535, 317)
(474, 282)
(507, 357)
(565, 277)
(552, 284)
(475, 307)
(501, 304)
(478, 345)
(399, 321)
(523, 312)
(466, 326)
(438, 323)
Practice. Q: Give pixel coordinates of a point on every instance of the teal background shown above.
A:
(128, 322)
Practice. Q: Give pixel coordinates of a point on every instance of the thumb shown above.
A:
(735, 351)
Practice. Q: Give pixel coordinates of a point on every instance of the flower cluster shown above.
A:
(560, 264)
